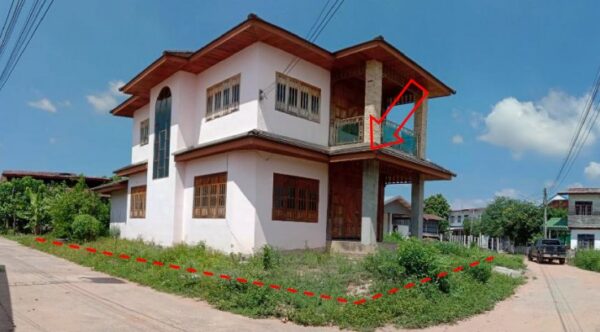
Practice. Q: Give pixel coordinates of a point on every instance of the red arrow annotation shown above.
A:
(257, 283)
(373, 120)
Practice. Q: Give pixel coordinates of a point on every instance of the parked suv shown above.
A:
(547, 250)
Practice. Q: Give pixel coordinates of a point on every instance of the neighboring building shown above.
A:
(398, 216)
(558, 228)
(231, 149)
(559, 202)
(69, 179)
(458, 217)
(584, 217)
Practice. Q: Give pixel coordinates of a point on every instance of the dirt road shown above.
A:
(40, 292)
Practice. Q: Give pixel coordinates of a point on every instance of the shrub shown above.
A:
(384, 265)
(394, 237)
(481, 272)
(114, 232)
(417, 258)
(86, 228)
(270, 257)
(588, 259)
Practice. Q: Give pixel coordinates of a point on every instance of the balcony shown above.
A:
(351, 131)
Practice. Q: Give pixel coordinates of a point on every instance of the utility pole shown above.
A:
(545, 214)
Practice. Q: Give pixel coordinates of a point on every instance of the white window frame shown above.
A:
(297, 98)
(216, 103)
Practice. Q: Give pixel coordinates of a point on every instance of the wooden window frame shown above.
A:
(223, 98)
(295, 198)
(137, 202)
(144, 132)
(210, 196)
(297, 98)
(583, 208)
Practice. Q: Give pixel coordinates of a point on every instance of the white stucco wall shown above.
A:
(274, 60)
(118, 210)
(235, 232)
(595, 232)
(288, 234)
(139, 152)
(245, 118)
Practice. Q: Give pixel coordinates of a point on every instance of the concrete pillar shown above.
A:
(373, 98)
(421, 128)
(370, 191)
(416, 201)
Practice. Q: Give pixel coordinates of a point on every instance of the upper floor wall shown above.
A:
(257, 66)
(584, 210)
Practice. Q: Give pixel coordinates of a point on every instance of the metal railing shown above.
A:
(351, 130)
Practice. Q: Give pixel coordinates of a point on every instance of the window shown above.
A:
(585, 241)
(430, 227)
(295, 198)
(162, 134)
(297, 98)
(144, 130)
(458, 220)
(583, 208)
(223, 98)
(137, 208)
(210, 194)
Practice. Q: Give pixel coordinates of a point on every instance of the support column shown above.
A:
(370, 191)
(416, 205)
(373, 97)
(421, 128)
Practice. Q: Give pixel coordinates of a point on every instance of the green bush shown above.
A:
(269, 257)
(86, 228)
(481, 272)
(384, 265)
(417, 258)
(588, 259)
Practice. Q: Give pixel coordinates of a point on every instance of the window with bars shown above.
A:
(223, 98)
(137, 208)
(162, 134)
(295, 198)
(583, 208)
(210, 195)
(144, 131)
(297, 98)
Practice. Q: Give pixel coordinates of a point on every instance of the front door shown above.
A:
(345, 183)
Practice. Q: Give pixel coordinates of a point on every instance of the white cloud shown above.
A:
(507, 192)
(575, 185)
(457, 139)
(107, 100)
(592, 171)
(545, 126)
(44, 104)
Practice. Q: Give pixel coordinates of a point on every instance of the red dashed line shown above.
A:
(258, 283)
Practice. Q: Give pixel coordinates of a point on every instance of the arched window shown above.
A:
(162, 134)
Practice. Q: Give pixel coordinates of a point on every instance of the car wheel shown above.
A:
(539, 259)
(561, 261)
(529, 258)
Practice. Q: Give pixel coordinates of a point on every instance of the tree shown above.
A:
(36, 213)
(15, 201)
(472, 227)
(557, 213)
(67, 203)
(438, 205)
(518, 220)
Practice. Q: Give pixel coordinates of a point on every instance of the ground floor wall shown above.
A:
(118, 210)
(586, 233)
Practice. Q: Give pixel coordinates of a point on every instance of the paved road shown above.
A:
(555, 298)
(40, 292)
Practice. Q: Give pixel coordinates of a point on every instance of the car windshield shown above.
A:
(551, 242)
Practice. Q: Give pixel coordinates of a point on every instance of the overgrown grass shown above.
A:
(440, 301)
(587, 259)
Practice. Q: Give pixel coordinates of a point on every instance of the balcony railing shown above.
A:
(351, 130)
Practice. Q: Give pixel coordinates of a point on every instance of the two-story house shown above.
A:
(584, 217)
(260, 137)
(457, 218)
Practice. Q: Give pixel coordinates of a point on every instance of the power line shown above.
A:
(318, 26)
(28, 30)
(586, 124)
(11, 25)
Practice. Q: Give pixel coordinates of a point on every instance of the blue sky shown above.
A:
(521, 69)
